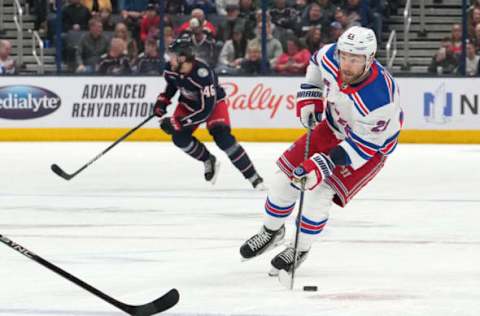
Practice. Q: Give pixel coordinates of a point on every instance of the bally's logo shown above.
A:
(437, 106)
(21, 102)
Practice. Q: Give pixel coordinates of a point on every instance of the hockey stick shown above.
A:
(285, 278)
(59, 171)
(157, 306)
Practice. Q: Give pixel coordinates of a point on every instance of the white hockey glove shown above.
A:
(309, 104)
(312, 171)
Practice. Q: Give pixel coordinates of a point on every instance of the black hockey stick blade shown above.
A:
(57, 170)
(159, 305)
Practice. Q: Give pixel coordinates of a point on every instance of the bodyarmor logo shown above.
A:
(437, 106)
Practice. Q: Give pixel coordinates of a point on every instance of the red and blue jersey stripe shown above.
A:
(278, 211)
(310, 227)
(329, 63)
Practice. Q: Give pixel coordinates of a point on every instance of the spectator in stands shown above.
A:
(116, 61)
(357, 12)
(274, 47)
(456, 40)
(150, 61)
(342, 18)
(175, 7)
(314, 40)
(222, 5)
(295, 60)
(207, 6)
(40, 13)
(75, 16)
(7, 63)
(473, 20)
(204, 45)
(97, 5)
(444, 61)
(301, 6)
(285, 18)
(121, 31)
(225, 29)
(248, 13)
(335, 31)
(232, 53)
(92, 46)
(328, 9)
(168, 35)
(315, 18)
(472, 61)
(132, 15)
(252, 63)
(105, 15)
(476, 38)
(150, 20)
(206, 25)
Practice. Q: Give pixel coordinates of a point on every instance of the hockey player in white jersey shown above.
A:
(354, 104)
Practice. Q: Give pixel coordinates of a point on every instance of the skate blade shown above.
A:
(285, 279)
(215, 175)
(261, 187)
(273, 272)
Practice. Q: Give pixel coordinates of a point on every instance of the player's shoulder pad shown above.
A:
(316, 57)
(201, 73)
(168, 72)
(328, 61)
(378, 93)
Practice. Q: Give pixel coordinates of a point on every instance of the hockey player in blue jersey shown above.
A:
(201, 100)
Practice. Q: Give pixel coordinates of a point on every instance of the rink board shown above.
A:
(437, 110)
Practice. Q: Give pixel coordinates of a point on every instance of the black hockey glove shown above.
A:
(170, 125)
(160, 107)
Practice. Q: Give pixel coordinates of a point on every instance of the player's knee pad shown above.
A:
(281, 190)
(222, 136)
(182, 139)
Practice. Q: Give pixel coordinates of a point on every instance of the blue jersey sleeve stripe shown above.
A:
(364, 142)
(391, 138)
(361, 153)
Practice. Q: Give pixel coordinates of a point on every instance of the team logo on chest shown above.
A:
(191, 95)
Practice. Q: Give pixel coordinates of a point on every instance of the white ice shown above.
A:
(141, 220)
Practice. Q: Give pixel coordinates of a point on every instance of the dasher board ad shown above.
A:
(254, 102)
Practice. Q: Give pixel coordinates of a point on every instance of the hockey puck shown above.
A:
(310, 288)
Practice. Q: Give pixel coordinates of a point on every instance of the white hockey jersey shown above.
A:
(367, 118)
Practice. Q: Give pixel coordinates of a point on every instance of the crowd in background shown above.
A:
(121, 36)
(447, 58)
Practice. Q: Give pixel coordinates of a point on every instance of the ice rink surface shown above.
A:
(142, 220)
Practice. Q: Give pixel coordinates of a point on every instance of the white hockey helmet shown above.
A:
(360, 41)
